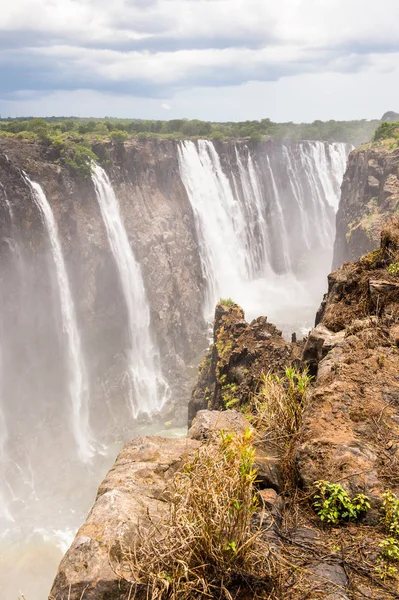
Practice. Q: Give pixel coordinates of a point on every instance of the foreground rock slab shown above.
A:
(132, 490)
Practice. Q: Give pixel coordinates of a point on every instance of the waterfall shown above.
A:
(255, 219)
(281, 219)
(78, 381)
(147, 389)
(265, 220)
(219, 220)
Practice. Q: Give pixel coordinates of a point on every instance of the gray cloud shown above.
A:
(155, 48)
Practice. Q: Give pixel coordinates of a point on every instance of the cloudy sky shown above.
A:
(220, 60)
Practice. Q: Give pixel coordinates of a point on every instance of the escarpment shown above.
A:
(241, 352)
(369, 196)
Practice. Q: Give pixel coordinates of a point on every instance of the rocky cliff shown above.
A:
(369, 196)
(345, 431)
(342, 428)
(241, 352)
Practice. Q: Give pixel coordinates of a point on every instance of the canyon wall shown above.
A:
(370, 195)
(200, 220)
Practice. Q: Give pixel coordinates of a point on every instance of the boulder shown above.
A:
(206, 422)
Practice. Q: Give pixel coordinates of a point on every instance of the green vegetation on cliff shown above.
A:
(388, 131)
(117, 130)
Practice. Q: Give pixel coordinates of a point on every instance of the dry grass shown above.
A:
(276, 413)
(278, 405)
(208, 545)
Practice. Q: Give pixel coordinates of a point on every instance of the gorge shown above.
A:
(107, 284)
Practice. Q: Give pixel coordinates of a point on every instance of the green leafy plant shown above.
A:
(334, 505)
(226, 302)
(390, 507)
(384, 570)
(79, 158)
(393, 268)
(118, 137)
(390, 549)
(390, 546)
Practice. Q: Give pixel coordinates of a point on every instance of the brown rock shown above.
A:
(206, 422)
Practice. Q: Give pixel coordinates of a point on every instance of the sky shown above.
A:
(218, 60)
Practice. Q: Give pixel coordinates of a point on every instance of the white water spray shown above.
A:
(147, 389)
(78, 381)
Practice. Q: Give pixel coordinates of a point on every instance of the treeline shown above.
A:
(388, 131)
(354, 132)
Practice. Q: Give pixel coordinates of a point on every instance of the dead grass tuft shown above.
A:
(207, 546)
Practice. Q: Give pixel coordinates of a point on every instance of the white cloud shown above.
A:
(166, 106)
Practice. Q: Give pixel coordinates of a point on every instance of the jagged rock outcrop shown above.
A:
(350, 427)
(240, 354)
(369, 196)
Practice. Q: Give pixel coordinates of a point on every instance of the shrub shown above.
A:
(333, 504)
(387, 130)
(390, 549)
(390, 507)
(393, 268)
(390, 546)
(79, 159)
(207, 544)
(227, 302)
(278, 405)
(26, 135)
(118, 137)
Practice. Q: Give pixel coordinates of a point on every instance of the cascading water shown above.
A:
(78, 382)
(219, 220)
(147, 388)
(280, 216)
(261, 222)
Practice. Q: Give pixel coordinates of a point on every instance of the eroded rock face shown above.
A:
(370, 195)
(349, 429)
(240, 354)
